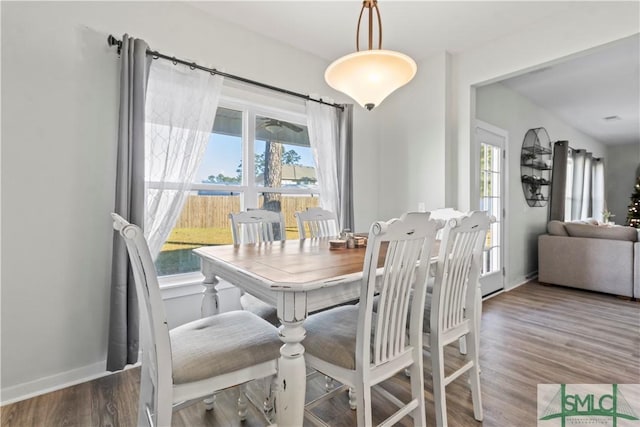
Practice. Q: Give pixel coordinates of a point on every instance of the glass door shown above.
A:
(491, 148)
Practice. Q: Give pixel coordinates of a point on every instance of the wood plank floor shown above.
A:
(531, 335)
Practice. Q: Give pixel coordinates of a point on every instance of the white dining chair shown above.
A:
(317, 222)
(361, 348)
(453, 310)
(258, 226)
(182, 365)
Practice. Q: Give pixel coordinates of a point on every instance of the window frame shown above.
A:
(249, 191)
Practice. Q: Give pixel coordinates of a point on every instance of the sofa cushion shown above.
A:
(615, 232)
(556, 228)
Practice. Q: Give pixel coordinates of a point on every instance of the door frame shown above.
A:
(475, 193)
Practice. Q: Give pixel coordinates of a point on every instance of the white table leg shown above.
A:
(210, 302)
(292, 379)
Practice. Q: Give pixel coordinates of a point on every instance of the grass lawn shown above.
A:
(189, 238)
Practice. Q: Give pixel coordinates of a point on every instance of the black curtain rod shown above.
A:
(112, 41)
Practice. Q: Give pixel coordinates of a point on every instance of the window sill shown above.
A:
(184, 285)
(180, 285)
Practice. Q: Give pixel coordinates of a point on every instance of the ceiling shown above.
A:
(585, 90)
(581, 91)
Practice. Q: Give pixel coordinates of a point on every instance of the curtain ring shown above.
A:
(192, 66)
(175, 62)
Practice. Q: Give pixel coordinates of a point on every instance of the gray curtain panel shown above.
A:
(558, 181)
(129, 203)
(345, 166)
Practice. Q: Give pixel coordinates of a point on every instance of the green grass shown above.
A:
(189, 238)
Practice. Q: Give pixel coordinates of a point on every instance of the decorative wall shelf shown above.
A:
(535, 166)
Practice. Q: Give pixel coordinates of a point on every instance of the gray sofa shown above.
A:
(601, 258)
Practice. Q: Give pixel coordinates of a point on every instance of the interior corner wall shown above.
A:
(621, 164)
(59, 127)
(500, 106)
(412, 138)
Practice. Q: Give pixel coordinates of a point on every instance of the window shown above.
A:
(255, 158)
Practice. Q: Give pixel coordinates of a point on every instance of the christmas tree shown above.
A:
(633, 216)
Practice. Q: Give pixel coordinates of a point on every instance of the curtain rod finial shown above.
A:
(112, 41)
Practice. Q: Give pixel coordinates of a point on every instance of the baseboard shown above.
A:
(55, 382)
(526, 279)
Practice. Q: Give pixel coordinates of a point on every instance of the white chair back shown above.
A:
(256, 226)
(407, 242)
(458, 269)
(319, 222)
(445, 214)
(155, 377)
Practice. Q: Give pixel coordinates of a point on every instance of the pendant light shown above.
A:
(371, 75)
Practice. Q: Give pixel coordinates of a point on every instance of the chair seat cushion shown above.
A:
(221, 344)
(331, 336)
(260, 309)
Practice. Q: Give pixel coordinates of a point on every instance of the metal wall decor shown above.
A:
(535, 166)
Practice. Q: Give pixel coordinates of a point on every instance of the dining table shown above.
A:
(297, 277)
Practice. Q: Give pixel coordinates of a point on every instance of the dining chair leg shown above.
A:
(328, 384)
(267, 404)
(474, 377)
(353, 398)
(208, 402)
(417, 392)
(478, 318)
(242, 402)
(462, 345)
(437, 372)
(363, 413)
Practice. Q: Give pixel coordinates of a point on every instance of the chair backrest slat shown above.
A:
(407, 242)
(458, 270)
(319, 223)
(257, 226)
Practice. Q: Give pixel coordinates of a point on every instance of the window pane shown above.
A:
(222, 161)
(283, 157)
(281, 148)
(288, 204)
(204, 221)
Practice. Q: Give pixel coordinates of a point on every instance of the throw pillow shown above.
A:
(556, 228)
(615, 232)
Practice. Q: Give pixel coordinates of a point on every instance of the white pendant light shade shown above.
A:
(370, 76)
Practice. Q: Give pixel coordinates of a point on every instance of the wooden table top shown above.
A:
(291, 261)
(308, 263)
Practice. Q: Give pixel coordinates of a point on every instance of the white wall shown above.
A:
(621, 165)
(59, 116)
(502, 107)
(412, 142)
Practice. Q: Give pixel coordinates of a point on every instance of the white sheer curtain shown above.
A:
(322, 124)
(569, 187)
(577, 183)
(587, 191)
(180, 110)
(597, 183)
(585, 186)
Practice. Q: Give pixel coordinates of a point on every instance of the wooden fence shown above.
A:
(213, 211)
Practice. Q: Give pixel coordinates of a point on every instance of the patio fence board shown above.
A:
(213, 211)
